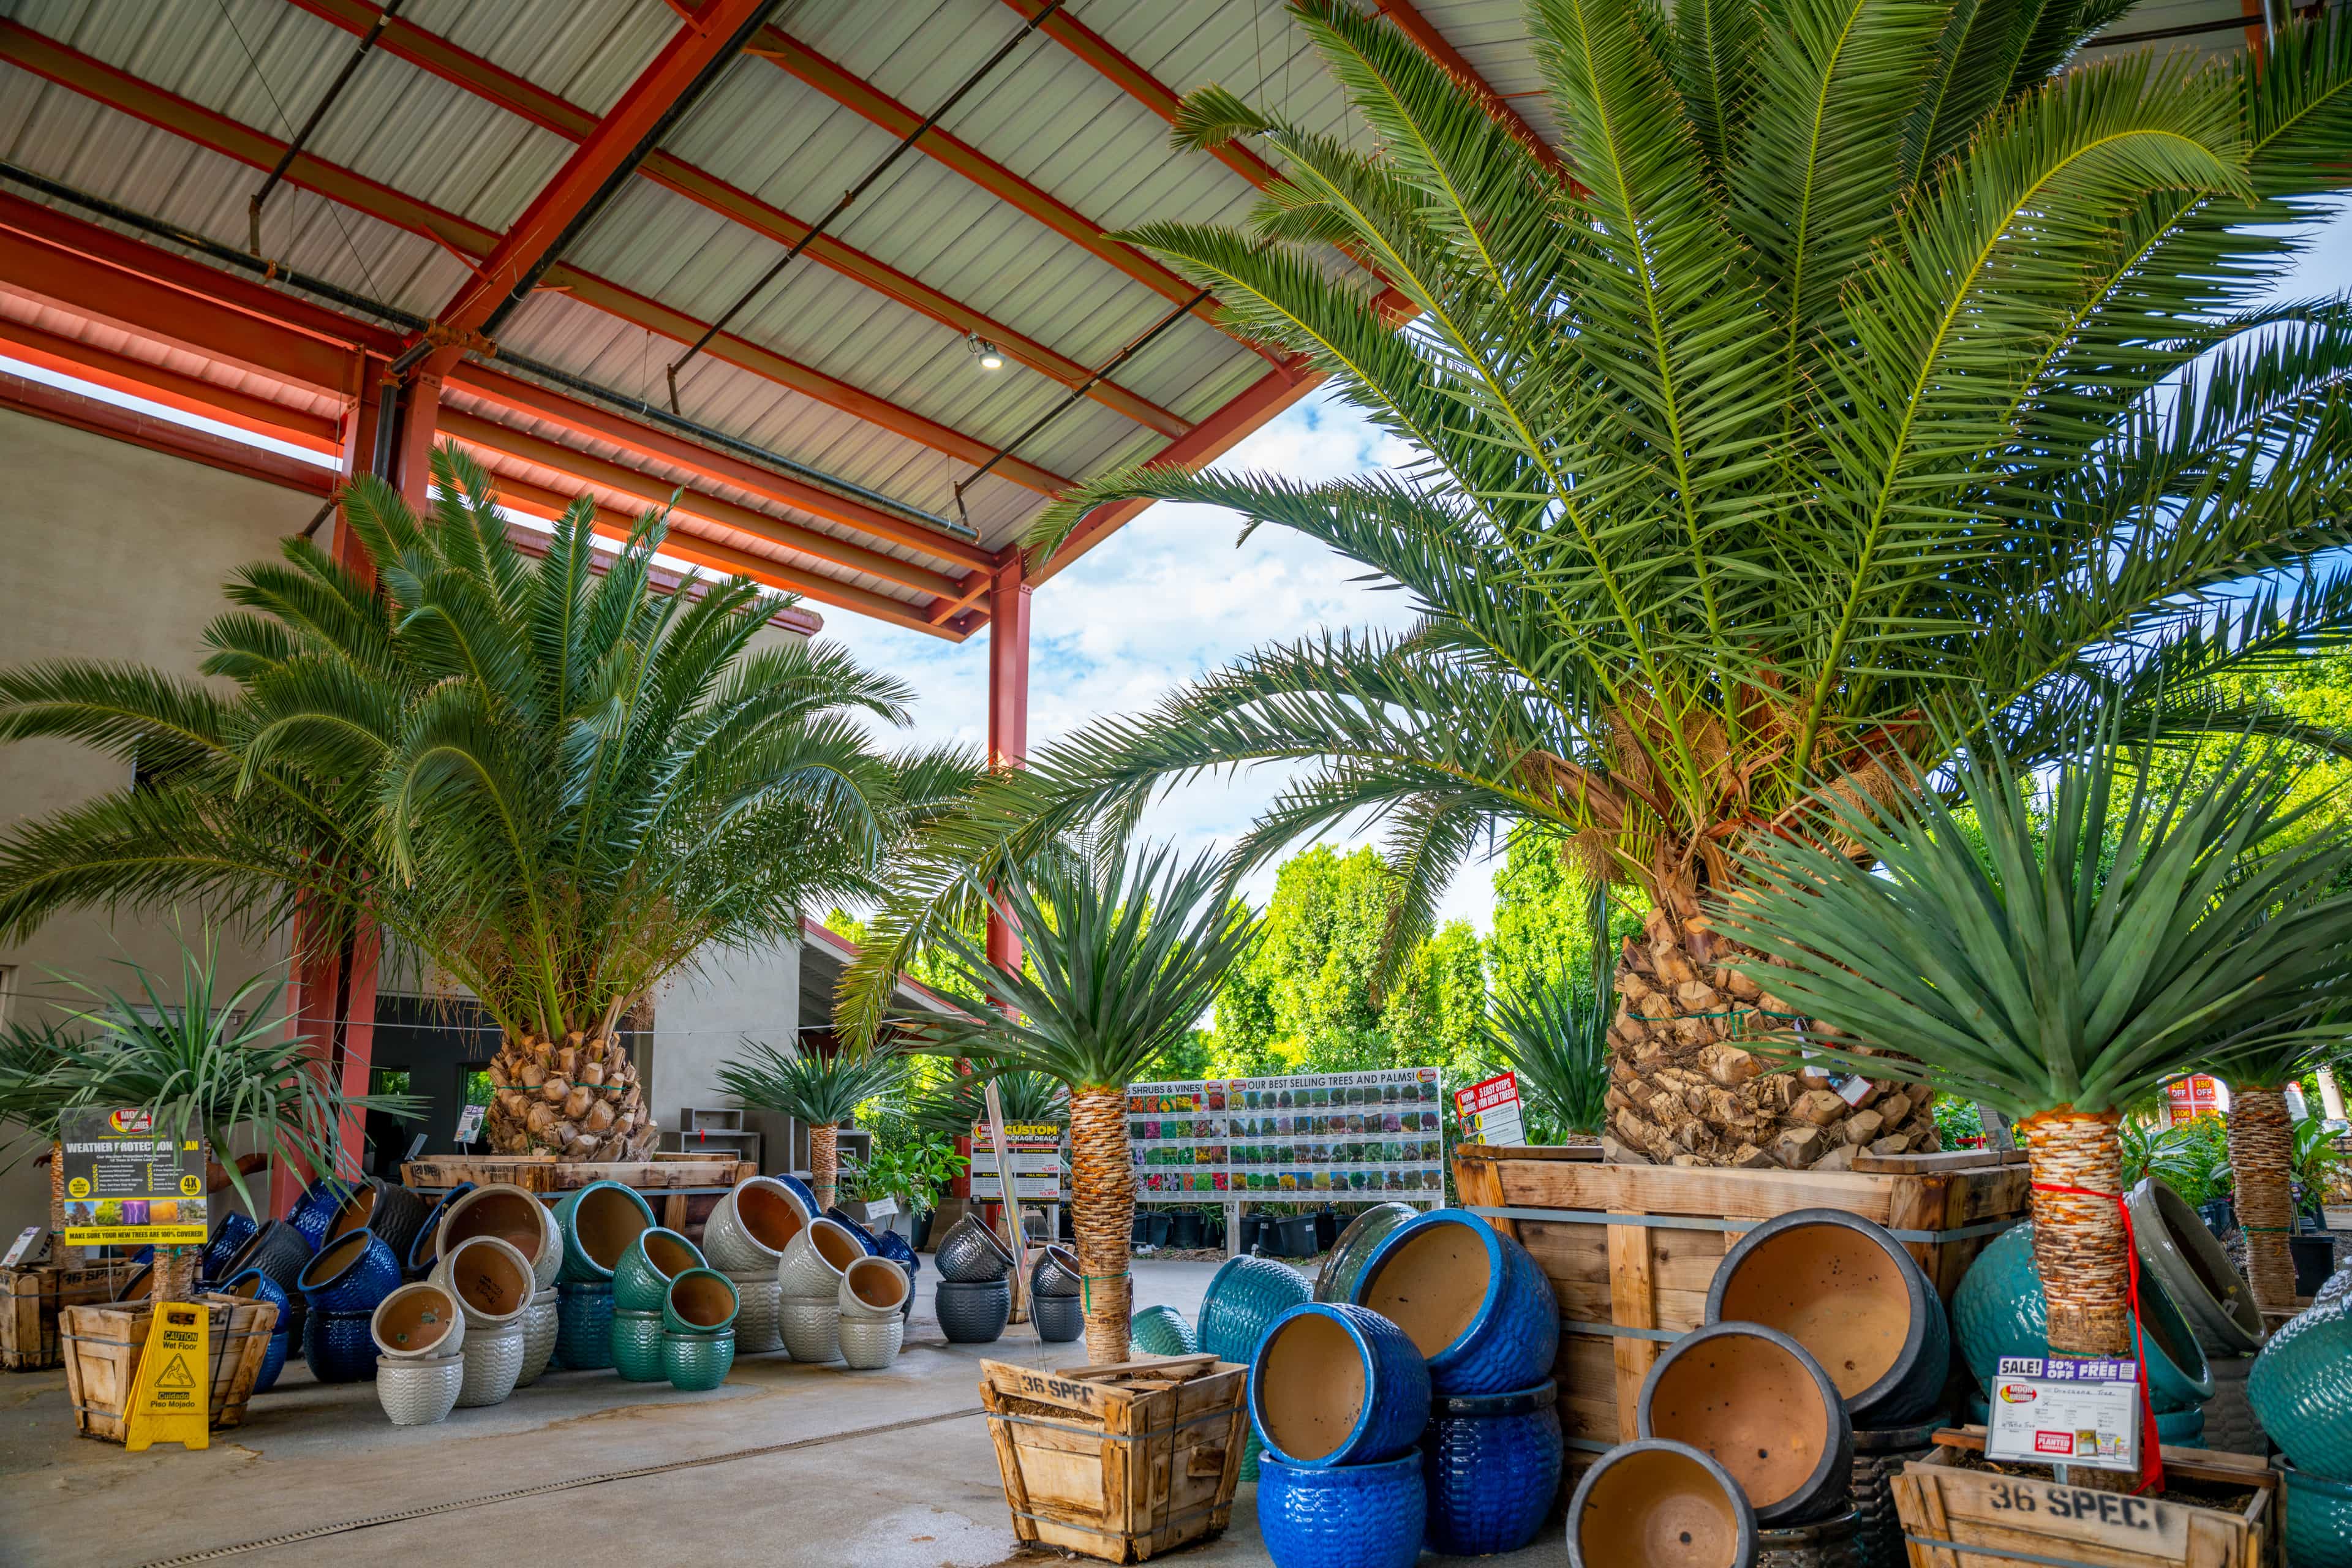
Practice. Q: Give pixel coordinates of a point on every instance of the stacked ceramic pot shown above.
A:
(975, 1290)
(392, 1212)
(902, 1251)
(1339, 1396)
(597, 1223)
(745, 1239)
(421, 1257)
(493, 1284)
(1244, 1299)
(699, 1329)
(871, 1300)
(314, 1211)
(252, 1285)
(641, 1282)
(234, 1229)
(343, 1285)
(2301, 1387)
(2175, 1249)
(420, 1333)
(809, 1278)
(1056, 1303)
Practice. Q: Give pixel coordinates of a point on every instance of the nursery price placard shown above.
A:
(130, 1183)
(1380, 1134)
(2064, 1412)
(1036, 1154)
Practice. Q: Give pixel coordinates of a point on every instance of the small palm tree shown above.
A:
(1123, 958)
(1554, 1034)
(957, 1104)
(2262, 1149)
(2057, 958)
(821, 1092)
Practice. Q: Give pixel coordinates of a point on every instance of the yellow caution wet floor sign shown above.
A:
(172, 1402)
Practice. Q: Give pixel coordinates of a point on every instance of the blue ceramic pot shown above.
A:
(1242, 1301)
(583, 1326)
(339, 1346)
(1342, 1516)
(1999, 1311)
(2318, 1531)
(1334, 1385)
(1470, 1296)
(803, 1191)
(273, 1361)
(253, 1285)
(420, 1258)
(2301, 1387)
(356, 1271)
(857, 1228)
(1491, 1463)
(597, 1224)
(314, 1211)
(898, 1250)
(1161, 1331)
(233, 1231)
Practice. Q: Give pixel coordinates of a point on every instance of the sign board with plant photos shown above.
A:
(1373, 1134)
(131, 1182)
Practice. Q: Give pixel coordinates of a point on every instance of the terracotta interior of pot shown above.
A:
(1834, 1291)
(1310, 1386)
(242, 1258)
(1651, 1508)
(606, 1219)
(702, 1298)
(879, 1282)
(1751, 1404)
(670, 1253)
(1432, 1285)
(247, 1290)
(134, 1284)
(837, 1246)
(354, 1214)
(488, 1281)
(416, 1319)
(514, 1217)
(333, 1258)
(768, 1212)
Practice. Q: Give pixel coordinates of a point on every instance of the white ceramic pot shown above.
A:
(417, 1390)
(812, 1329)
(872, 1288)
(417, 1321)
(493, 1360)
(750, 1227)
(539, 1325)
(816, 1260)
(490, 1278)
(508, 1212)
(869, 1344)
(758, 1297)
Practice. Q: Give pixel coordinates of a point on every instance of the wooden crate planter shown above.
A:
(1118, 1462)
(546, 1174)
(31, 1300)
(103, 1345)
(1631, 1249)
(1957, 1517)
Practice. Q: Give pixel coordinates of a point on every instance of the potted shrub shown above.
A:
(821, 1092)
(1554, 1035)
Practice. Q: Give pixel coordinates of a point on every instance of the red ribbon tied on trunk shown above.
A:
(2151, 1458)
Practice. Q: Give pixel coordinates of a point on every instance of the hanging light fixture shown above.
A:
(984, 351)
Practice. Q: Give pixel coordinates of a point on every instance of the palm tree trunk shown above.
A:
(824, 1164)
(2079, 1246)
(576, 1097)
(1102, 1214)
(2261, 1165)
(173, 1278)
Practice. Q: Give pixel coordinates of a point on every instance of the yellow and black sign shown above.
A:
(130, 1183)
(172, 1402)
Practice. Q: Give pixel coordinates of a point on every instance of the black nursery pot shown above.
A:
(1187, 1232)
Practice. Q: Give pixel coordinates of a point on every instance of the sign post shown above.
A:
(131, 1184)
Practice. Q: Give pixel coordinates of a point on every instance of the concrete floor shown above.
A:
(797, 1466)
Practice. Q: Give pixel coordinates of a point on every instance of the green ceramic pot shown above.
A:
(1161, 1331)
(641, 1279)
(597, 1224)
(697, 1363)
(701, 1301)
(637, 1346)
(2318, 1519)
(1999, 1311)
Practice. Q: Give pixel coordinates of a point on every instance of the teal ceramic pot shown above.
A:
(637, 1346)
(1161, 1331)
(2301, 1385)
(2181, 1428)
(1242, 1301)
(701, 1301)
(698, 1363)
(655, 1257)
(1354, 1249)
(2318, 1519)
(583, 1326)
(597, 1224)
(1999, 1311)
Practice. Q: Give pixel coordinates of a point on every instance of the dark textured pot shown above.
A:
(972, 1254)
(655, 1257)
(1846, 1291)
(1059, 1319)
(1335, 1384)
(1655, 1504)
(234, 1229)
(2318, 1524)
(253, 1285)
(1492, 1464)
(1758, 1402)
(1186, 1230)
(1056, 1272)
(2301, 1385)
(1470, 1296)
(597, 1224)
(421, 1253)
(1834, 1542)
(1161, 1331)
(339, 1346)
(2314, 1260)
(974, 1313)
(351, 1274)
(1999, 1311)
(2174, 1244)
(278, 1252)
(583, 1325)
(1344, 1516)
(391, 1211)
(1879, 1453)
(637, 1346)
(695, 1363)
(1352, 1249)
(1245, 1297)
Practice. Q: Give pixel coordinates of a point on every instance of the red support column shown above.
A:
(1008, 706)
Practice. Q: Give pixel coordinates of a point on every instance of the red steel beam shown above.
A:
(1408, 21)
(527, 101)
(62, 406)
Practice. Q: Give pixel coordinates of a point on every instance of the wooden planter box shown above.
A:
(1947, 1509)
(1631, 1249)
(103, 1345)
(546, 1174)
(31, 1298)
(1118, 1462)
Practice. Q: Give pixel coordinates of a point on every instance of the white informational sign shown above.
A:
(1036, 1153)
(1489, 1111)
(2061, 1412)
(469, 1123)
(1374, 1134)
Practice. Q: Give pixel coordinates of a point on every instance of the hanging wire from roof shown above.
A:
(302, 137)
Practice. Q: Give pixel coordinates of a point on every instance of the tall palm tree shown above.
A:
(1122, 957)
(555, 789)
(1864, 361)
(2262, 1151)
(817, 1090)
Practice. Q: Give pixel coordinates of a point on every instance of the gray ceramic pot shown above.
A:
(812, 1329)
(971, 1254)
(869, 1344)
(1055, 1273)
(1059, 1319)
(493, 1359)
(974, 1314)
(514, 1216)
(541, 1320)
(2174, 1244)
(419, 1391)
(758, 1328)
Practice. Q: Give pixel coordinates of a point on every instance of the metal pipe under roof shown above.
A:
(302, 137)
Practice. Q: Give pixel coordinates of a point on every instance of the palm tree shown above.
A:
(2263, 1153)
(821, 1092)
(1122, 957)
(957, 1104)
(554, 789)
(1839, 384)
(2057, 958)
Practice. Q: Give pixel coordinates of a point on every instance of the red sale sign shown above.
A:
(1489, 1111)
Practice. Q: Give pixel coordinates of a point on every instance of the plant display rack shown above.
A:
(31, 1300)
(1631, 1249)
(103, 1346)
(677, 1177)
